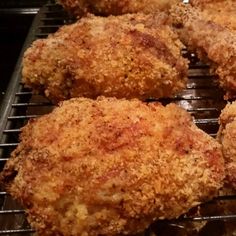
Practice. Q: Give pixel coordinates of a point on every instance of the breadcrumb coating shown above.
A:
(115, 7)
(223, 12)
(227, 137)
(211, 41)
(129, 56)
(111, 167)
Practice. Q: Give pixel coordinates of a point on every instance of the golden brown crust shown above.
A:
(123, 56)
(220, 11)
(227, 137)
(115, 7)
(204, 3)
(211, 41)
(111, 166)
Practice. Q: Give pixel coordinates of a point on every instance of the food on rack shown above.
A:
(227, 136)
(111, 167)
(115, 7)
(211, 41)
(222, 12)
(129, 56)
(209, 211)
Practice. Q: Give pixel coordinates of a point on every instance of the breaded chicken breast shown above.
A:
(115, 7)
(126, 56)
(211, 41)
(223, 12)
(111, 167)
(223, 206)
(227, 136)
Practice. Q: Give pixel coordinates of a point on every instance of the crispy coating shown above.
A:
(223, 12)
(108, 166)
(211, 41)
(227, 136)
(130, 56)
(115, 7)
(199, 228)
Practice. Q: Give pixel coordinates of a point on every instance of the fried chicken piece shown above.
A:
(211, 41)
(223, 12)
(109, 166)
(227, 136)
(126, 56)
(115, 7)
(195, 227)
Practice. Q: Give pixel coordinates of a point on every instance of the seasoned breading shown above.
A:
(115, 7)
(130, 56)
(219, 227)
(211, 41)
(223, 12)
(227, 136)
(108, 166)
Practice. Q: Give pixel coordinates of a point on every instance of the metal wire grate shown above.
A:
(202, 98)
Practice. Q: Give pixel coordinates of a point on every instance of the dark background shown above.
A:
(15, 20)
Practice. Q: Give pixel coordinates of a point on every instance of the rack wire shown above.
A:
(202, 98)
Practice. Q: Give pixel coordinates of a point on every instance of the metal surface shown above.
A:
(14, 26)
(20, 11)
(201, 98)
